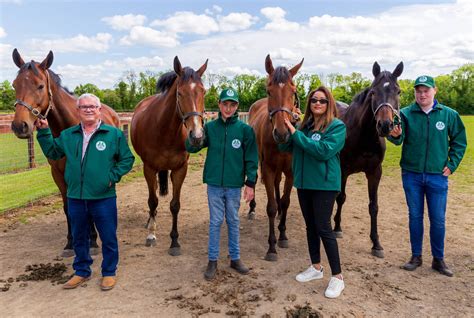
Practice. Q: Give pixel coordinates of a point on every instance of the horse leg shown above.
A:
(373, 180)
(150, 177)
(268, 179)
(251, 214)
(284, 204)
(177, 178)
(340, 199)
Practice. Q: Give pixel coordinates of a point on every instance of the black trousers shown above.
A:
(317, 206)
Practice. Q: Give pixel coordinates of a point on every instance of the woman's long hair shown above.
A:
(321, 122)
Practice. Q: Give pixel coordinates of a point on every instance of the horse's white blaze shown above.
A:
(281, 84)
(386, 84)
(192, 85)
(151, 237)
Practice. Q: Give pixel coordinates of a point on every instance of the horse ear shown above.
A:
(202, 69)
(376, 69)
(398, 70)
(269, 65)
(296, 68)
(177, 66)
(17, 58)
(47, 61)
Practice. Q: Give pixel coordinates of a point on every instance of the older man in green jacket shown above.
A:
(97, 156)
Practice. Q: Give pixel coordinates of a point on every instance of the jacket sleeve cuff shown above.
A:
(250, 184)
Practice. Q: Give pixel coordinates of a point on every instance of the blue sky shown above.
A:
(97, 41)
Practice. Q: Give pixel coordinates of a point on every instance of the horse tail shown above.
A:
(163, 180)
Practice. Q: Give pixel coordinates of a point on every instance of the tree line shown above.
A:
(455, 90)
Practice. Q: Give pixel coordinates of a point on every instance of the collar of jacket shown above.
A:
(102, 127)
(231, 119)
(417, 108)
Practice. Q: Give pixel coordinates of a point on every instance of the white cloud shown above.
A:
(236, 21)
(12, 1)
(215, 9)
(140, 35)
(188, 22)
(6, 62)
(2, 32)
(124, 22)
(79, 43)
(276, 15)
(231, 71)
(284, 54)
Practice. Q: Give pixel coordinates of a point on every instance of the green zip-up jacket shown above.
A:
(431, 141)
(106, 160)
(232, 157)
(316, 164)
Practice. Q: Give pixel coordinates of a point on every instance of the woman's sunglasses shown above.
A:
(322, 101)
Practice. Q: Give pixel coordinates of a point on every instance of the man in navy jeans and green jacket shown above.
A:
(231, 163)
(97, 156)
(434, 142)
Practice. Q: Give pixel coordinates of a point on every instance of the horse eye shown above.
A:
(41, 86)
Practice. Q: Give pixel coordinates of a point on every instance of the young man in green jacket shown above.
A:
(434, 142)
(231, 162)
(97, 156)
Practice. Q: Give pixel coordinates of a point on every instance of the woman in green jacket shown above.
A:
(317, 177)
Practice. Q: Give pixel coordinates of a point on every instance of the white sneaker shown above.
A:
(310, 274)
(335, 288)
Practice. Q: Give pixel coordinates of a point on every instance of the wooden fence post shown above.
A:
(31, 152)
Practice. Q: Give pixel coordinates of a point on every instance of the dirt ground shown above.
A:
(151, 282)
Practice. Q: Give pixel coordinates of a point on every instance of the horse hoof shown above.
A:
(174, 251)
(378, 253)
(251, 215)
(94, 251)
(338, 234)
(68, 253)
(150, 242)
(271, 257)
(283, 243)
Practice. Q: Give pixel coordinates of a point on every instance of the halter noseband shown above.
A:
(36, 111)
(394, 111)
(183, 115)
(293, 115)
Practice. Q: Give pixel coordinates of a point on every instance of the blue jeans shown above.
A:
(104, 214)
(223, 202)
(434, 187)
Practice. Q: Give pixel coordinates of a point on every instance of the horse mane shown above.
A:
(166, 80)
(54, 77)
(280, 75)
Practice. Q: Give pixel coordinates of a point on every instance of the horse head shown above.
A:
(190, 93)
(385, 98)
(33, 93)
(283, 100)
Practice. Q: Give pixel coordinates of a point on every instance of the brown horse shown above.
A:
(39, 94)
(369, 119)
(266, 116)
(160, 125)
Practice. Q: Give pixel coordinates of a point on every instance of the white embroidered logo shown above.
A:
(316, 137)
(423, 79)
(440, 125)
(100, 145)
(236, 143)
(230, 93)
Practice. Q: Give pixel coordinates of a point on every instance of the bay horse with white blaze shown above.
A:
(266, 116)
(39, 94)
(369, 119)
(160, 125)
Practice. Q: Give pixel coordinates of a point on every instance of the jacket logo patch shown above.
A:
(100, 145)
(316, 137)
(236, 143)
(440, 125)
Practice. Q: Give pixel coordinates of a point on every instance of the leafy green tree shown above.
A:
(88, 88)
(7, 96)
(121, 90)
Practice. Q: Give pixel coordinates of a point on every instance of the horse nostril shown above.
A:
(391, 126)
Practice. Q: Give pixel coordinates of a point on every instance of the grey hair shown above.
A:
(90, 96)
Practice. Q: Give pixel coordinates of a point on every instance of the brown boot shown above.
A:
(108, 282)
(75, 281)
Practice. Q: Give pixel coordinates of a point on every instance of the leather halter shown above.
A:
(37, 111)
(183, 115)
(295, 116)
